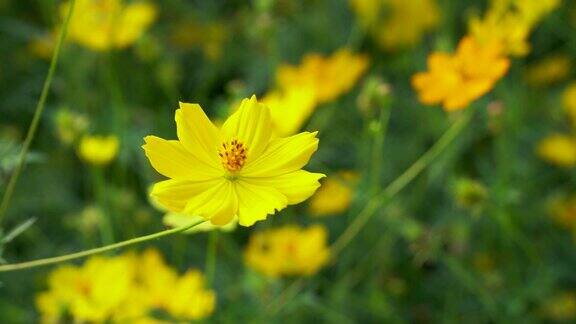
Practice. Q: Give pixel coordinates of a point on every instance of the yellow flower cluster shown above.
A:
(210, 37)
(551, 69)
(560, 149)
(317, 80)
(128, 288)
(510, 22)
(397, 24)
(455, 80)
(102, 25)
(563, 212)
(238, 172)
(561, 307)
(288, 251)
(335, 195)
(98, 150)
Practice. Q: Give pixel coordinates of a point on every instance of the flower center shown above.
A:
(233, 155)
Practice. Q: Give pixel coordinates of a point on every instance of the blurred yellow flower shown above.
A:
(561, 307)
(236, 171)
(558, 149)
(124, 289)
(569, 101)
(210, 37)
(563, 212)
(549, 70)
(98, 150)
(159, 287)
(456, 80)
(397, 24)
(290, 108)
(288, 251)
(42, 46)
(102, 25)
(91, 293)
(335, 195)
(328, 77)
(510, 23)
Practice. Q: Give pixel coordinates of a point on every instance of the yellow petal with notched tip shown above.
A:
(257, 202)
(283, 155)
(172, 160)
(175, 194)
(297, 186)
(197, 134)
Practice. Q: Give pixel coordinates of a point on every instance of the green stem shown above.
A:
(37, 114)
(380, 199)
(404, 179)
(105, 222)
(379, 146)
(106, 248)
(211, 256)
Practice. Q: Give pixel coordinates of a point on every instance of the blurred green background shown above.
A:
(473, 239)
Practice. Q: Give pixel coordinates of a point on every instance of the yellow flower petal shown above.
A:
(172, 160)
(197, 134)
(297, 186)
(283, 155)
(250, 125)
(178, 220)
(173, 195)
(558, 149)
(218, 204)
(257, 202)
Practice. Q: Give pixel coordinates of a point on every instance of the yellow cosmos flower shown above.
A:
(561, 307)
(98, 150)
(456, 80)
(328, 77)
(290, 108)
(159, 287)
(569, 102)
(102, 25)
(288, 251)
(563, 212)
(236, 171)
(335, 195)
(549, 70)
(128, 288)
(510, 23)
(396, 24)
(558, 149)
(91, 293)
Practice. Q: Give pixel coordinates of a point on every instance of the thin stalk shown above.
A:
(106, 248)
(37, 115)
(212, 251)
(404, 179)
(105, 222)
(378, 146)
(381, 199)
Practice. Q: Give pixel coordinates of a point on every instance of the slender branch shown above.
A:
(81, 254)
(212, 251)
(380, 199)
(37, 115)
(397, 185)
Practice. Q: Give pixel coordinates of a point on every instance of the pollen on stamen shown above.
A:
(232, 155)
